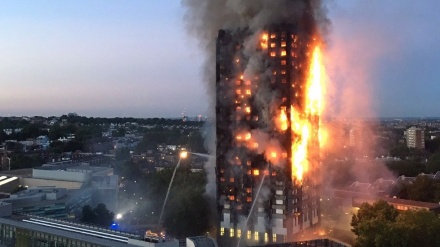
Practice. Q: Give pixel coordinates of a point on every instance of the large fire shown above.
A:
(314, 84)
(302, 119)
(305, 123)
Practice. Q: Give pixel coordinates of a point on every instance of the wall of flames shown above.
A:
(306, 124)
(305, 117)
(302, 119)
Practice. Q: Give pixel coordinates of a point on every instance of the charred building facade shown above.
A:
(261, 89)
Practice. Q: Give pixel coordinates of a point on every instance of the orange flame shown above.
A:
(244, 136)
(264, 41)
(247, 136)
(314, 84)
(301, 129)
(282, 121)
(306, 126)
(256, 172)
(248, 109)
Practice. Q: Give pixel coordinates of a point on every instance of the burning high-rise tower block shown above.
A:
(268, 108)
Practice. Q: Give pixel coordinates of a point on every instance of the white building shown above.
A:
(415, 138)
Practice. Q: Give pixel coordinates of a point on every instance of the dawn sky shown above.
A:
(133, 58)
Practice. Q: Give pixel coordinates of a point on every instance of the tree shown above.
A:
(423, 189)
(401, 151)
(187, 210)
(20, 161)
(433, 146)
(416, 228)
(120, 132)
(122, 154)
(190, 217)
(73, 146)
(32, 131)
(3, 136)
(87, 132)
(433, 164)
(128, 169)
(409, 168)
(104, 216)
(70, 146)
(56, 147)
(381, 225)
(372, 223)
(58, 131)
(98, 216)
(88, 215)
(196, 142)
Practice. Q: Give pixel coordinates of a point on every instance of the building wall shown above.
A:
(5, 209)
(200, 241)
(23, 234)
(107, 196)
(72, 176)
(140, 243)
(283, 208)
(75, 203)
(17, 233)
(106, 190)
(315, 243)
(51, 203)
(10, 186)
(37, 182)
(415, 138)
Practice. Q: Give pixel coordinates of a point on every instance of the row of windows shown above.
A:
(232, 198)
(284, 35)
(12, 236)
(256, 236)
(283, 53)
(254, 172)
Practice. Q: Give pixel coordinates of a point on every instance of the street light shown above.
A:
(119, 216)
(183, 155)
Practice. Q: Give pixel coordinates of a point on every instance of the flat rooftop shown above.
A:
(88, 233)
(21, 201)
(19, 173)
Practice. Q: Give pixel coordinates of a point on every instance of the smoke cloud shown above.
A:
(203, 20)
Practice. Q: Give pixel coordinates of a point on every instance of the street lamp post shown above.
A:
(9, 159)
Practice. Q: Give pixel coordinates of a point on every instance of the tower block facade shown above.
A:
(267, 136)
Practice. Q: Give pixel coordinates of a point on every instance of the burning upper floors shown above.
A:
(268, 109)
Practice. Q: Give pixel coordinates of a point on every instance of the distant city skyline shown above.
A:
(135, 59)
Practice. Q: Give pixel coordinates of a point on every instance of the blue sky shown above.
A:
(133, 58)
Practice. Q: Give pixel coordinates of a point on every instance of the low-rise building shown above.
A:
(24, 230)
(102, 183)
(50, 202)
(321, 242)
(399, 204)
(200, 241)
(8, 184)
